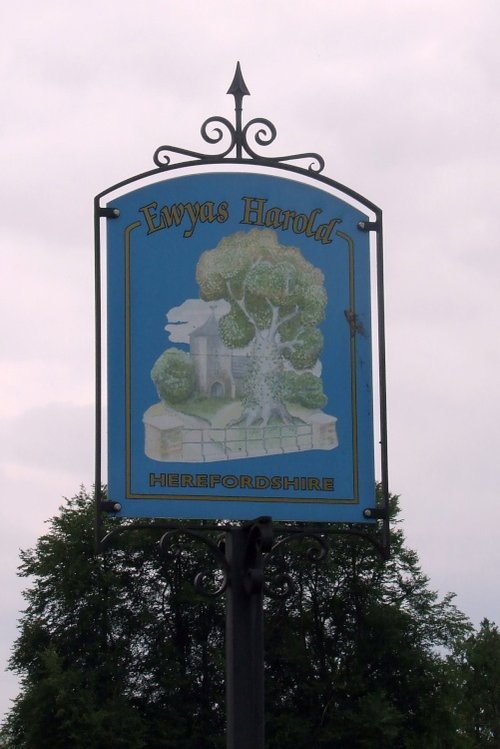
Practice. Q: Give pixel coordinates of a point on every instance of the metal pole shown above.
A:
(244, 641)
(98, 376)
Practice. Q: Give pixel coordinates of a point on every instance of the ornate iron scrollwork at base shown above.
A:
(264, 542)
(204, 580)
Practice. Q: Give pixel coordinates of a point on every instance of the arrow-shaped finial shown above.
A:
(215, 129)
(238, 87)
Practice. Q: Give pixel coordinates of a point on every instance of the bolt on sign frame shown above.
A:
(240, 292)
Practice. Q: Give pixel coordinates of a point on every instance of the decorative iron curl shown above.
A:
(242, 140)
(169, 547)
(266, 135)
(162, 156)
(219, 133)
(280, 585)
(260, 549)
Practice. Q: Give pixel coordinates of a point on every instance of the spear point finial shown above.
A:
(238, 87)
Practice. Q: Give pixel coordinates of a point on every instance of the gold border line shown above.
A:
(198, 497)
(128, 399)
(354, 387)
(230, 498)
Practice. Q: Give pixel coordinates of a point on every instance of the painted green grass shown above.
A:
(202, 407)
(219, 412)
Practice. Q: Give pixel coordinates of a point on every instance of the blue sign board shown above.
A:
(239, 351)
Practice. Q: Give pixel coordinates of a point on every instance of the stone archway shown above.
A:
(217, 390)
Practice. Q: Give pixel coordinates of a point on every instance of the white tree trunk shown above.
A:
(263, 385)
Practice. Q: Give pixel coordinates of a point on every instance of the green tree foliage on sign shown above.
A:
(277, 300)
(121, 652)
(304, 388)
(174, 376)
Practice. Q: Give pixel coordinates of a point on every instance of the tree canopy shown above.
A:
(121, 652)
(277, 299)
(173, 375)
(478, 675)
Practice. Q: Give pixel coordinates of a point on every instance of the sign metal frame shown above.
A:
(239, 152)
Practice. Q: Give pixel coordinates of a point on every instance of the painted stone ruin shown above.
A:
(250, 384)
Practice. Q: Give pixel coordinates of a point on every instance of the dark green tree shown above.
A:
(121, 652)
(478, 673)
(360, 661)
(111, 652)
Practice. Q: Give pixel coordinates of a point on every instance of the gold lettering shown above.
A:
(262, 482)
(324, 232)
(310, 222)
(230, 482)
(273, 218)
(156, 479)
(193, 212)
(173, 215)
(253, 211)
(207, 212)
(222, 212)
(299, 223)
(150, 216)
(287, 216)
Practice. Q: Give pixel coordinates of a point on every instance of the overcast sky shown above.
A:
(402, 99)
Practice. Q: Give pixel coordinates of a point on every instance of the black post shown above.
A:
(244, 640)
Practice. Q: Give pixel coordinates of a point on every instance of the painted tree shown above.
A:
(174, 377)
(277, 299)
(304, 388)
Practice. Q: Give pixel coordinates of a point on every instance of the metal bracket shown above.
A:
(105, 212)
(258, 541)
(368, 225)
(109, 506)
(375, 513)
